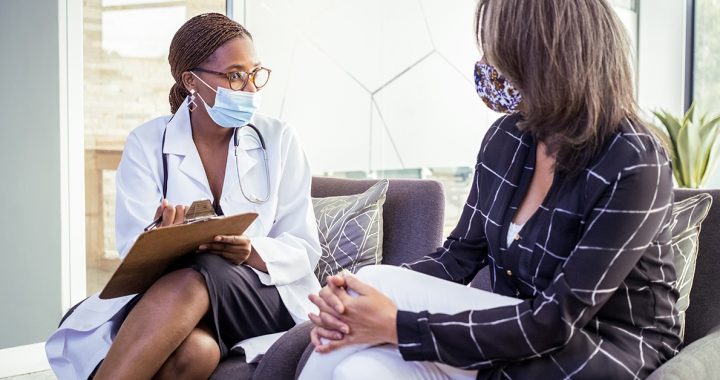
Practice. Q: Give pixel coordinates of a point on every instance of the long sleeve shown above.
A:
(629, 217)
(291, 249)
(464, 252)
(138, 194)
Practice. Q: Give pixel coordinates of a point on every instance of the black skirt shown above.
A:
(241, 307)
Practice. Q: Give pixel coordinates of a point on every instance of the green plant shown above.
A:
(694, 146)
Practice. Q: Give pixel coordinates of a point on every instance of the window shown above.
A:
(707, 60)
(127, 79)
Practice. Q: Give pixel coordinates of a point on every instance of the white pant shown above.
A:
(411, 291)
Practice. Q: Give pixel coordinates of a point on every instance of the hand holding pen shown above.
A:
(167, 215)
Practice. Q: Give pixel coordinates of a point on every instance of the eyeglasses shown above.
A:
(239, 79)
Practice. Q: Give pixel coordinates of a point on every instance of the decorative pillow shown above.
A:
(687, 215)
(351, 230)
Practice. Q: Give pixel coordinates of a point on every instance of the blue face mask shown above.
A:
(232, 109)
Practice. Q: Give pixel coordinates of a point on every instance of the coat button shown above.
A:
(509, 272)
(517, 237)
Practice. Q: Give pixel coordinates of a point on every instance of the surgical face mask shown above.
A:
(494, 90)
(232, 109)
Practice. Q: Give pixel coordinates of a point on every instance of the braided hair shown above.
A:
(193, 43)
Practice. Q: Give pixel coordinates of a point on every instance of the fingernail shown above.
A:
(345, 330)
(202, 247)
(338, 336)
(218, 238)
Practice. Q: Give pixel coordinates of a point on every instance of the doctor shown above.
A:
(214, 146)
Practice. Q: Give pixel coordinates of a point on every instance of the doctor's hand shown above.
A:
(233, 248)
(371, 317)
(170, 215)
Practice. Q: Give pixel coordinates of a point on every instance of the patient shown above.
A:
(569, 210)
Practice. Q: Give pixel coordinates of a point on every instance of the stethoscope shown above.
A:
(236, 143)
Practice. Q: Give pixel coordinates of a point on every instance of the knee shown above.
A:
(186, 283)
(378, 276)
(198, 354)
(349, 370)
(362, 365)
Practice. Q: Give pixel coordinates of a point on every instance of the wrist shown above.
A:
(392, 334)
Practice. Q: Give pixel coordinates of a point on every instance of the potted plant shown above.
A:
(694, 145)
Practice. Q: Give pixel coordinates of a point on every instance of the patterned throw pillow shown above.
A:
(351, 230)
(687, 215)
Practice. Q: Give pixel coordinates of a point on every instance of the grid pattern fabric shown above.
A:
(350, 229)
(593, 266)
(687, 216)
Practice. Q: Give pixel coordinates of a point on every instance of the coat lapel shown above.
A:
(179, 142)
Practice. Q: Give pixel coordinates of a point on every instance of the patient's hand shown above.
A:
(370, 316)
(328, 323)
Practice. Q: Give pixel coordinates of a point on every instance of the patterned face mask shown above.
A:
(494, 90)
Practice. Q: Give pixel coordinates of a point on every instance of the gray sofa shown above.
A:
(413, 222)
(413, 215)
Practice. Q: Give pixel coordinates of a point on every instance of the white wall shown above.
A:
(661, 60)
(30, 227)
(41, 166)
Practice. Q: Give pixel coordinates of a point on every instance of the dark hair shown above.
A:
(193, 43)
(570, 60)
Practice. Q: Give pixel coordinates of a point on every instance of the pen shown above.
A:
(154, 224)
(163, 203)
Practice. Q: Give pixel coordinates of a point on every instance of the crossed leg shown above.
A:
(161, 336)
(410, 291)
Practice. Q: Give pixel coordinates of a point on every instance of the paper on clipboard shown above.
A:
(155, 250)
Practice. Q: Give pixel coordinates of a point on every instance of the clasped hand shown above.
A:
(351, 312)
(233, 248)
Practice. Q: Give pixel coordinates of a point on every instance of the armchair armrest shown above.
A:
(698, 360)
(281, 359)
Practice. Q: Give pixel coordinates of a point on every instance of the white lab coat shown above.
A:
(284, 234)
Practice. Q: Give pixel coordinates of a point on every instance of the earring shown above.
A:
(192, 105)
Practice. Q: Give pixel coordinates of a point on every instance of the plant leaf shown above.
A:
(713, 159)
(671, 124)
(710, 155)
(671, 128)
(684, 180)
(689, 115)
(705, 128)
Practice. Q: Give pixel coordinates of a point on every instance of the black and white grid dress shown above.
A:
(593, 267)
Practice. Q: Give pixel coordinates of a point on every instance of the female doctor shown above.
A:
(214, 146)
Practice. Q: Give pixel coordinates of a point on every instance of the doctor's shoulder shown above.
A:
(146, 139)
(276, 132)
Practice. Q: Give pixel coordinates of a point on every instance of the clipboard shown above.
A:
(155, 250)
